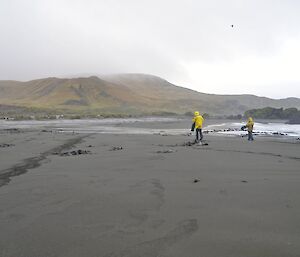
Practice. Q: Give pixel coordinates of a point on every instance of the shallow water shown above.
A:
(79, 122)
(144, 126)
(115, 126)
(271, 128)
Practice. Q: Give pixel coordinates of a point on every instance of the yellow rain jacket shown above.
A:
(250, 124)
(198, 119)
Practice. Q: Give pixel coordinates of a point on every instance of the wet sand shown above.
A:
(135, 195)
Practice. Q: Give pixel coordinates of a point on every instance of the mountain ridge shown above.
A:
(127, 93)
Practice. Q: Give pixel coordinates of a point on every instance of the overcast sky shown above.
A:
(190, 43)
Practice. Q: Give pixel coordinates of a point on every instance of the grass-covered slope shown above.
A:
(126, 93)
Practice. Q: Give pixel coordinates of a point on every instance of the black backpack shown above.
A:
(193, 127)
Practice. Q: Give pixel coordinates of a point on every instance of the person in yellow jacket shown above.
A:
(197, 124)
(249, 126)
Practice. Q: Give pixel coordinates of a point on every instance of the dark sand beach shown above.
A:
(148, 196)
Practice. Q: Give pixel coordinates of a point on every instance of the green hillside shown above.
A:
(126, 94)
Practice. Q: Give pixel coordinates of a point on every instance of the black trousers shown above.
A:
(199, 135)
(250, 136)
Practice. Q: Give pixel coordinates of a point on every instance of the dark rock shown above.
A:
(65, 154)
(244, 181)
(5, 145)
(196, 180)
(75, 152)
(117, 148)
(204, 143)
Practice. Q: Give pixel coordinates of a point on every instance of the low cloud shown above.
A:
(191, 43)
